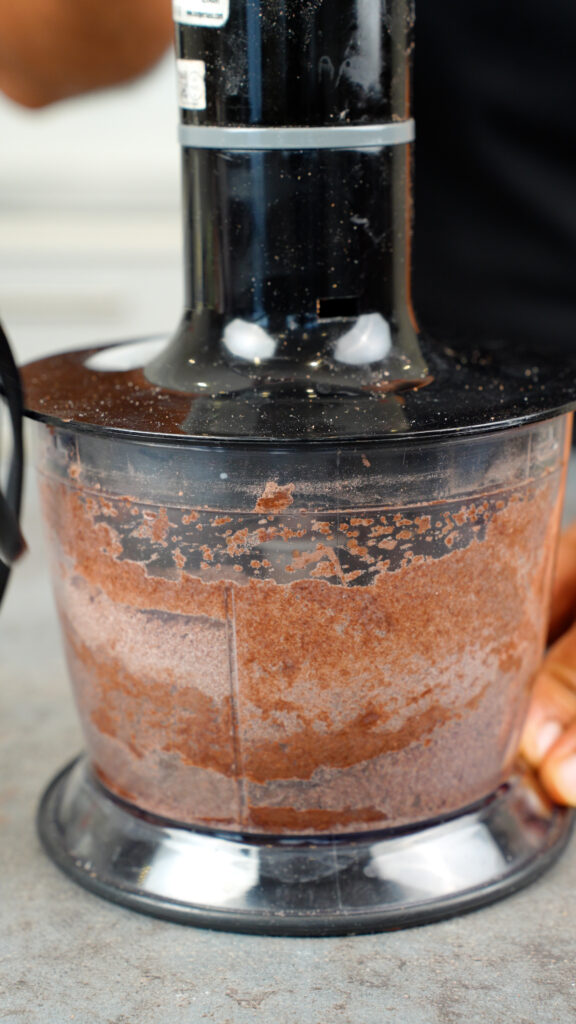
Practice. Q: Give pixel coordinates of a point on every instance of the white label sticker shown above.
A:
(205, 13)
(191, 84)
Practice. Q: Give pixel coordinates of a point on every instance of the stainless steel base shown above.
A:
(303, 886)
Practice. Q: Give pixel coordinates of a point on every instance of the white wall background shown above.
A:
(90, 217)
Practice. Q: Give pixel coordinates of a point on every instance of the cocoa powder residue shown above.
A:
(275, 498)
(259, 679)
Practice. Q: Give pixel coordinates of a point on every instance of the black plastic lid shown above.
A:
(466, 390)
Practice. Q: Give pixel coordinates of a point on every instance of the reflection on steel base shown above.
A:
(303, 886)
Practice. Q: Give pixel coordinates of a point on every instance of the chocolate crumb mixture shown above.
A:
(277, 671)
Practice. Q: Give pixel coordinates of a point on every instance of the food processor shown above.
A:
(302, 554)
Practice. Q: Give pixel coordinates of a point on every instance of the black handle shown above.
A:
(11, 541)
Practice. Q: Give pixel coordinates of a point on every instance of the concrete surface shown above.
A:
(67, 956)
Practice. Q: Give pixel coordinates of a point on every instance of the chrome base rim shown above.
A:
(330, 885)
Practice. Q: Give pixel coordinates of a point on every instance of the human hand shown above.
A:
(549, 739)
(52, 49)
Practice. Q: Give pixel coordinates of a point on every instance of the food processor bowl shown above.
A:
(296, 654)
(309, 640)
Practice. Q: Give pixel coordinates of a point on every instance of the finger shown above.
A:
(553, 705)
(563, 606)
(558, 771)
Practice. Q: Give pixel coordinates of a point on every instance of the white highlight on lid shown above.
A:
(248, 341)
(367, 342)
(129, 356)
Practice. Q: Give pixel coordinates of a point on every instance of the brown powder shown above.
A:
(291, 685)
(275, 498)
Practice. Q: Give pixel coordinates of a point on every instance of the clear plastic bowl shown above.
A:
(306, 639)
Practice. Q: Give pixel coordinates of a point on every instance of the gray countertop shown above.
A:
(66, 955)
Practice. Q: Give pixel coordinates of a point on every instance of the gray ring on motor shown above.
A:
(353, 136)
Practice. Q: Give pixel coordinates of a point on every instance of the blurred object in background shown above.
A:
(495, 195)
(52, 49)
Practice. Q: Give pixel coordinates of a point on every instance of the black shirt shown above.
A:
(495, 170)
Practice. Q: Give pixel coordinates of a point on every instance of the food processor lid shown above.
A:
(463, 388)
